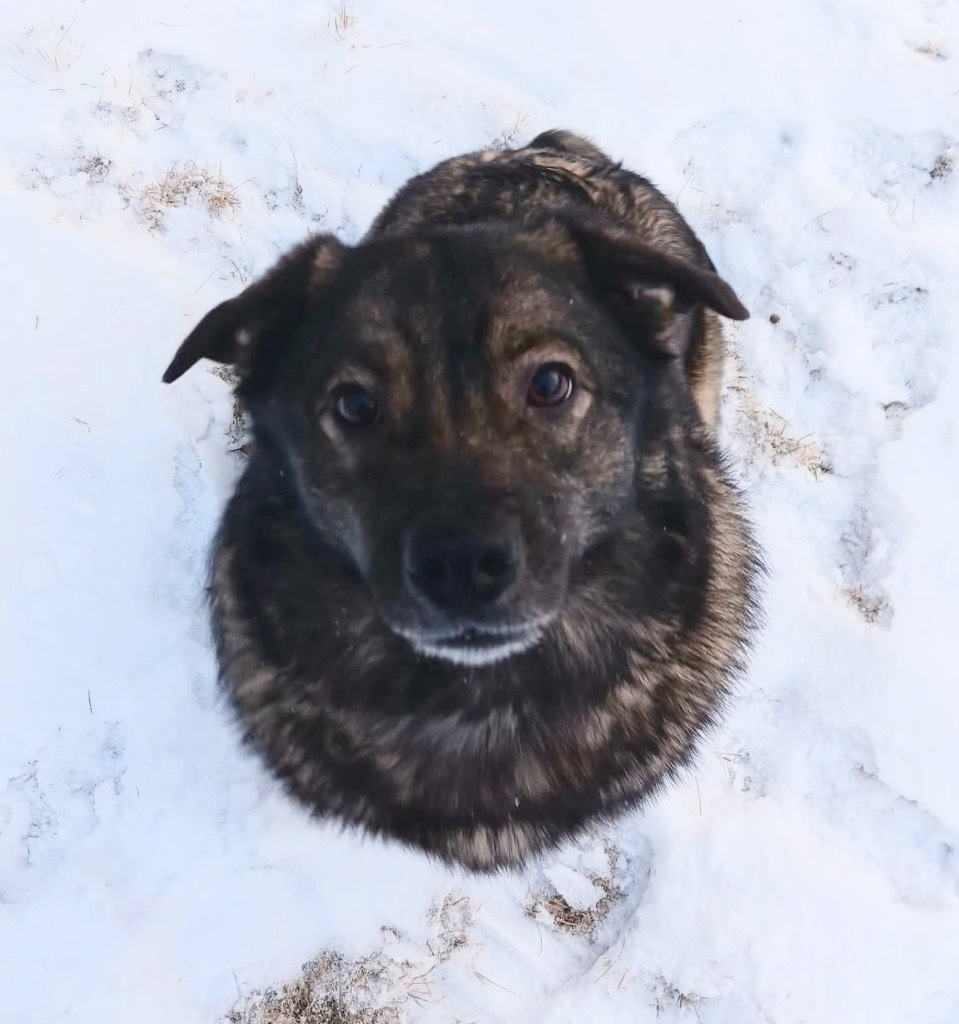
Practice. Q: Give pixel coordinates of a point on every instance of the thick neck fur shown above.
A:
(485, 765)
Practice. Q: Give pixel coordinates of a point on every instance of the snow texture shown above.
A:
(154, 158)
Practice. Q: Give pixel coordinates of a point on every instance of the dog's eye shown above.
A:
(356, 406)
(551, 384)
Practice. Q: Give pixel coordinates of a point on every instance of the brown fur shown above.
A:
(352, 641)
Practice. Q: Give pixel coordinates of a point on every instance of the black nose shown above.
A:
(462, 572)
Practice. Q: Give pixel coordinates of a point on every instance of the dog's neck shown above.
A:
(340, 704)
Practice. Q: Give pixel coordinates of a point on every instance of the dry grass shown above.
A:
(572, 920)
(451, 920)
(737, 769)
(226, 373)
(872, 605)
(931, 50)
(895, 411)
(189, 185)
(385, 987)
(942, 166)
(669, 995)
(237, 431)
(860, 576)
(508, 136)
(95, 166)
(343, 20)
(773, 433)
(330, 990)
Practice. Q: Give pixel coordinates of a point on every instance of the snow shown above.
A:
(578, 891)
(808, 870)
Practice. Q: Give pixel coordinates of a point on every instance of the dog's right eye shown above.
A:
(551, 384)
(355, 406)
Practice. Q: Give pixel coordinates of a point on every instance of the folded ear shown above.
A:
(645, 286)
(242, 330)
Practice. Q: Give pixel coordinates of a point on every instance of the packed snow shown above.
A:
(154, 158)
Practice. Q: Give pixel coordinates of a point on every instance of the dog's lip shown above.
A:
(474, 638)
(477, 634)
(476, 646)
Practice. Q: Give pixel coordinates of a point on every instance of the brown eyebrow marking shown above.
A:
(379, 357)
(516, 345)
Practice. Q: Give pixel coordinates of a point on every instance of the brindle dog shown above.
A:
(485, 578)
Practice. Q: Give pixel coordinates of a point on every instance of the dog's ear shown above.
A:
(643, 287)
(244, 330)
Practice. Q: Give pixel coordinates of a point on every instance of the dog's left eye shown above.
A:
(355, 406)
(551, 384)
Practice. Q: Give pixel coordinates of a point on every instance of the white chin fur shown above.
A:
(476, 656)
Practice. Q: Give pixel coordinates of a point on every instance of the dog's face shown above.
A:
(458, 423)
(460, 411)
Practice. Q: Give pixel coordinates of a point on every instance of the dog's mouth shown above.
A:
(477, 645)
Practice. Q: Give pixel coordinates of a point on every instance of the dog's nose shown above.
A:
(462, 572)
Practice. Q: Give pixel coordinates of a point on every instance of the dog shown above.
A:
(485, 579)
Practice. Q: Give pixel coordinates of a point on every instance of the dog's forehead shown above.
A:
(531, 302)
(449, 295)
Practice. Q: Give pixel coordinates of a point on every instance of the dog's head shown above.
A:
(462, 410)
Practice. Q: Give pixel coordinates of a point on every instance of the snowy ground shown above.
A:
(153, 157)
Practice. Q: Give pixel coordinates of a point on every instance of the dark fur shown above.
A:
(620, 530)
